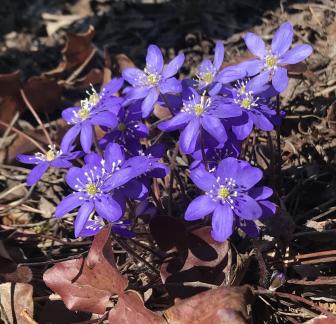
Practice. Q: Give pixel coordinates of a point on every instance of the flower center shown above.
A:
(223, 192)
(152, 79)
(271, 61)
(121, 127)
(198, 108)
(50, 155)
(246, 103)
(94, 98)
(207, 77)
(91, 189)
(84, 113)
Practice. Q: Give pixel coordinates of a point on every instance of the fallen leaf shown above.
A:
(204, 250)
(77, 49)
(130, 309)
(16, 300)
(224, 305)
(86, 284)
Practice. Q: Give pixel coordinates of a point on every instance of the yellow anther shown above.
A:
(50, 155)
(152, 79)
(94, 99)
(223, 192)
(198, 108)
(207, 78)
(91, 189)
(271, 61)
(83, 113)
(246, 103)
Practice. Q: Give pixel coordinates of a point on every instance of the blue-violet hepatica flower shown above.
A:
(95, 187)
(96, 109)
(52, 158)
(271, 62)
(155, 79)
(199, 112)
(226, 195)
(209, 75)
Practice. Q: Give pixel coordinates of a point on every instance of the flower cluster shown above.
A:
(213, 113)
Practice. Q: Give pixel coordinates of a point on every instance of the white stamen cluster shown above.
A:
(245, 99)
(271, 61)
(197, 108)
(206, 77)
(224, 191)
(86, 105)
(51, 154)
(95, 179)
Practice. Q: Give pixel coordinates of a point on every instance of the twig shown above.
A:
(8, 130)
(294, 298)
(129, 250)
(39, 121)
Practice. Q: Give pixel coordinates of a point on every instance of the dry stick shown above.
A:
(37, 118)
(75, 74)
(8, 130)
(5, 125)
(129, 250)
(295, 298)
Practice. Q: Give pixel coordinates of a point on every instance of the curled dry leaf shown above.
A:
(16, 302)
(130, 309)
(221, 306)
(209, 254)
(86, 284)
(77, 49)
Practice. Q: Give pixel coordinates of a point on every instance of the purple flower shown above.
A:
(197, 114)
(150, 168)
(129, 130)
(209, 75)
(254, 109)
(53, 158)
(271, 62)
(97, 109)
(227, 195)
(155, 79)
(96, 186)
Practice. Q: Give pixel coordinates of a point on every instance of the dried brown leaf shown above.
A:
(87, 284)
(221, 306)
(130, 309)
(77, 49)
(209, 254)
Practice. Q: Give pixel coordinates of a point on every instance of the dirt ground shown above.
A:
(53, 49)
